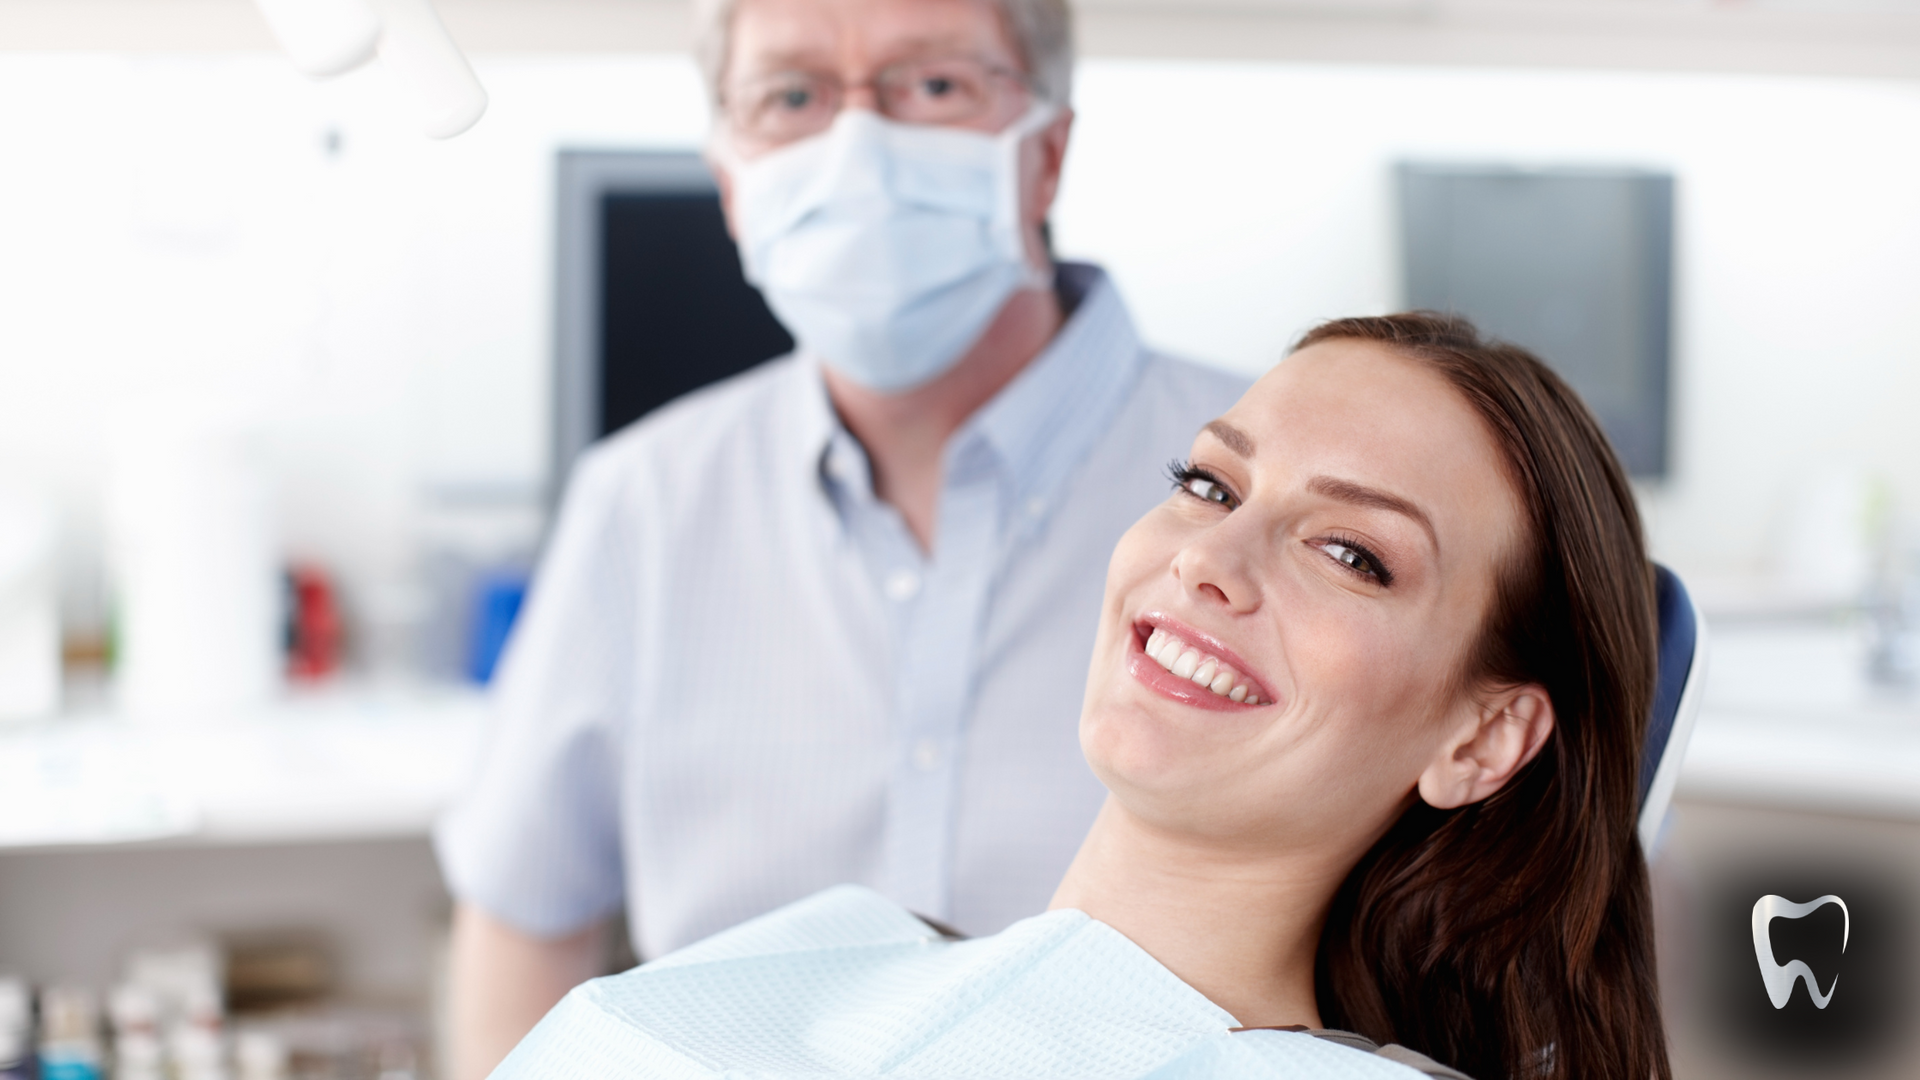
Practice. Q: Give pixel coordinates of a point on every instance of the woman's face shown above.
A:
(1323, 566)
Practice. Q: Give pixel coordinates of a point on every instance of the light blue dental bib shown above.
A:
(848, 984)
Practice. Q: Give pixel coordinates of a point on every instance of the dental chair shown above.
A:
(1676, 701)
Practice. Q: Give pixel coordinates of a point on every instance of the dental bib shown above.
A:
(849, 984)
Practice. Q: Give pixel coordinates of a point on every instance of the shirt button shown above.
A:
(902, 585)
(926, 755)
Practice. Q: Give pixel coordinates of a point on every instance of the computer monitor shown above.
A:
(650, 301)
(1572, 264)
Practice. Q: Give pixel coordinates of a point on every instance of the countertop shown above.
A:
(346, 762)
(1788, 718)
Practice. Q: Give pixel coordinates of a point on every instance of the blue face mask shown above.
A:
(888, 248)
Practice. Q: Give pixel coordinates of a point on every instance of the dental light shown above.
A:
(325, 38)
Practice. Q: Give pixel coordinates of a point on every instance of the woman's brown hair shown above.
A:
(1513, 938)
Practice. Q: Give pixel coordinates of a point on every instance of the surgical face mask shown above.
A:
(887, 248)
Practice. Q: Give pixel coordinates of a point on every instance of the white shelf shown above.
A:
(339, 764)
(1789, 719)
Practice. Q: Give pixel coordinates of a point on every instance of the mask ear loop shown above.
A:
(1007, 213)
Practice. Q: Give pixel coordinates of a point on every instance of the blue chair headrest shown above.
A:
(1677, 637)
(1680, 668)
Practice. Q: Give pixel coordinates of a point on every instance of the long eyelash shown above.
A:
(1380, 572)
(1182, 471)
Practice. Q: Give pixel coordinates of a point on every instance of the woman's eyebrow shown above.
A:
(1236, 440)
(1347, 491)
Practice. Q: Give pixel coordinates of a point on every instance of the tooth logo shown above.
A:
(1781, 977)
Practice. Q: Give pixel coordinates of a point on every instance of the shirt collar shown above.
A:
(838, 461)
(1041, 425)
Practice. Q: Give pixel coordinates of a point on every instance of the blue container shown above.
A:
(497, 597)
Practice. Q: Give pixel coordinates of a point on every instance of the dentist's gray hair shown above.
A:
(1042, 32)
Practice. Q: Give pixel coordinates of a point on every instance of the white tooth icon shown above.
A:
(1781, 977)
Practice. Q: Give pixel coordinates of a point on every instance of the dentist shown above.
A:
(827, 621)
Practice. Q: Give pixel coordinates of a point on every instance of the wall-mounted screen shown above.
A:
(1573, 264)
(649, 302)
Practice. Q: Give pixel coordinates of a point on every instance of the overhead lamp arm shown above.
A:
(325, 38)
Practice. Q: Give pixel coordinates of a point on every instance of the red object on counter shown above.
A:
(314, 627)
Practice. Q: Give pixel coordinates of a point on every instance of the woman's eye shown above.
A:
(1357, 559)
(1201, 484)
(1210, 491)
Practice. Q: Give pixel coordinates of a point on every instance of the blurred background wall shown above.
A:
(212, 229)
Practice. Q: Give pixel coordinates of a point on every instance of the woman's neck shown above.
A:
(1239, 926)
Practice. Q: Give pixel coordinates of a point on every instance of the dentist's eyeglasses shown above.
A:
(791, 105)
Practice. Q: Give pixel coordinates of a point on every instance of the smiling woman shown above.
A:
(1367, 696)
(1419, 554)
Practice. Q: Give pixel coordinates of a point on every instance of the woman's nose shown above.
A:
(1214, 569)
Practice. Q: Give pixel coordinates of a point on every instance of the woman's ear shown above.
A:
(1500, 735)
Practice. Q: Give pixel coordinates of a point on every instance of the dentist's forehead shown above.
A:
(773, 34)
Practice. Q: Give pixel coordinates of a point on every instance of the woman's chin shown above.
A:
(1135, 750)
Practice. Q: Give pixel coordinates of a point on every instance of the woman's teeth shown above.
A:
(1191, 664)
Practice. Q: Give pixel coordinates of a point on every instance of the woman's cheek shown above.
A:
(1149, 546)
(1389, 677)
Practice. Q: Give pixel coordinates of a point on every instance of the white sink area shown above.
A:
(1790, 718)
(340, 764)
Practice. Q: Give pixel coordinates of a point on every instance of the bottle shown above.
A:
(16, 1030)
(138, 1053)
(198, 1040)
(69, 1035)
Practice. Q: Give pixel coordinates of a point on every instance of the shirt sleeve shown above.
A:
(534, 840)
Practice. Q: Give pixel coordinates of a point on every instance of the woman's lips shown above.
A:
(1181, 657)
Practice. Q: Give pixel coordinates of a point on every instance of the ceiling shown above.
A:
(1864, 38)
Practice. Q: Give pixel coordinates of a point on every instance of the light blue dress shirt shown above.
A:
(738, 680)
(846, 984)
